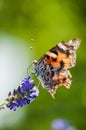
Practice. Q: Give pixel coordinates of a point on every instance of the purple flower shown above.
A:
(24, 94)
(61, 124)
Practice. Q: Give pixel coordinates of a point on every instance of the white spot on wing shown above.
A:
(51, 54)
(62, 46)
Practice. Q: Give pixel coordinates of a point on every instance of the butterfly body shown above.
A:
(52, 68)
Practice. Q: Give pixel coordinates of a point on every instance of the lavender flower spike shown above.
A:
(24, 94)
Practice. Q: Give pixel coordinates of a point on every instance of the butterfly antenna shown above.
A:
(28, 69)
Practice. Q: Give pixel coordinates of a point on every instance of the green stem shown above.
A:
(2, 104)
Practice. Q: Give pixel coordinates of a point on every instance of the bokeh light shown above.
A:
(14, 61)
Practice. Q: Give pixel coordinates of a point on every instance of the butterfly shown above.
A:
(52, 69)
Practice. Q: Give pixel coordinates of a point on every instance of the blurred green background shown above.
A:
(48, 22)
